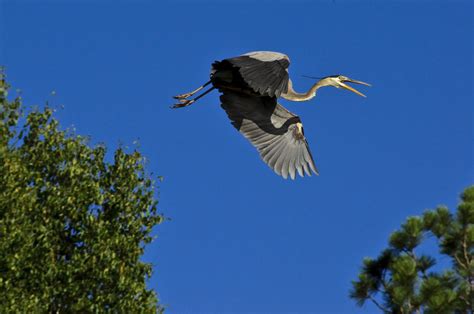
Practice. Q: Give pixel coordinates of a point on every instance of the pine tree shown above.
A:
(401, 281)
(72, 225)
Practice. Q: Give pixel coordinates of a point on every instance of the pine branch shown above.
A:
(459, 261)
(378, 305)
(469, 273)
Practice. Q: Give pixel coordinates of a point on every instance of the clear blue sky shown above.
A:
(241, 238)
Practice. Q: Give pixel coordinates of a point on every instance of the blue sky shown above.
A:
(241, 238)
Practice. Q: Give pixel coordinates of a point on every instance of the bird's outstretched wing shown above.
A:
(264, 71)
(276, 133)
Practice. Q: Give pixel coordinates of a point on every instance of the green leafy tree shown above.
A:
(72, 225)
(400, 280)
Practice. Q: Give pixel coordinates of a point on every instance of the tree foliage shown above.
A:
(401, 281)
(72, 225)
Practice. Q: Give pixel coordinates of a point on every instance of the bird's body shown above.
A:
(250, 85)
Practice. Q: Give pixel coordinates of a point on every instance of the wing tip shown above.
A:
(302, 172)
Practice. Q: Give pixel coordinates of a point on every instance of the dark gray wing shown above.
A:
(276, 133)
(265, 72)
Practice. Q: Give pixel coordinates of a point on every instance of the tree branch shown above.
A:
(458, 260)
(378, 305)
(468, 269)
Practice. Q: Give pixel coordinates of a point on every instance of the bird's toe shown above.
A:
(182, 96)
(183, 103)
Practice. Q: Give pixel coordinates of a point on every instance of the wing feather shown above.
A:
(298, 163)
(274, 131)
(275, 153)
(285, 168)
(265, 72)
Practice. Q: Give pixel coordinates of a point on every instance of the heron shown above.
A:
(250, 85)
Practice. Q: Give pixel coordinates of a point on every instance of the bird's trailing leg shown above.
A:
(187, 102)
(183, 96)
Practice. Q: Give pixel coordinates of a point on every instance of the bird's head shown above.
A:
(338, 81)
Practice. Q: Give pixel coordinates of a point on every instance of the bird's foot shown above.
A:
(183, 96)
(183, 103)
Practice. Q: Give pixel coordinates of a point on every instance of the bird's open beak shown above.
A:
(353, 89)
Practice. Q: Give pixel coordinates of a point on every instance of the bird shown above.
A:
(250, 85)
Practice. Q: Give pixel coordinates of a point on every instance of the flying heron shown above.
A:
(250, 85)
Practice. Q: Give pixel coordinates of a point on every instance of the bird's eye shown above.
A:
(342, 78)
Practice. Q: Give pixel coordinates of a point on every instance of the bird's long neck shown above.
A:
(310, 94)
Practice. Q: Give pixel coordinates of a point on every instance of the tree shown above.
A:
(401, 281)
(72, 225)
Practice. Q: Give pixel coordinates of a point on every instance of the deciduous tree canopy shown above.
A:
(72, 225)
